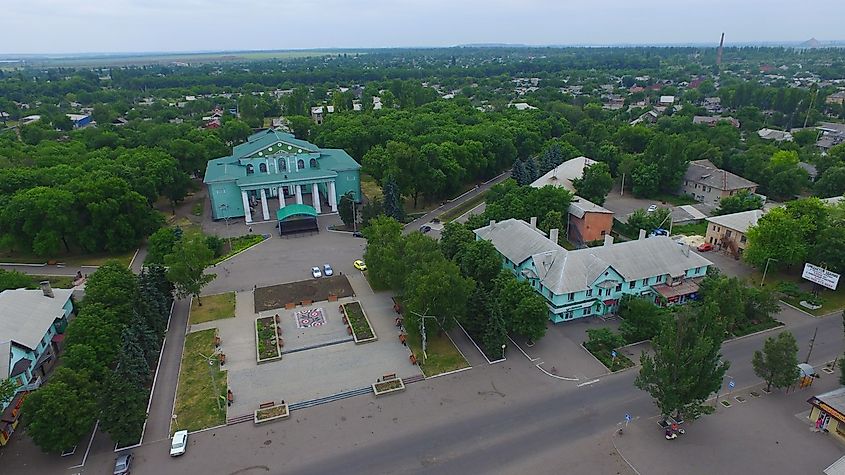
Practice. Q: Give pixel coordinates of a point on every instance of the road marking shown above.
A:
(587, 383)
(523, 351)
(554, 375)
(85, 457)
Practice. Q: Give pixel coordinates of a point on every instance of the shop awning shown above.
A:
(674, 291)
(573, 307)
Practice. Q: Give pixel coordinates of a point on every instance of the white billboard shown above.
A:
(820, 276)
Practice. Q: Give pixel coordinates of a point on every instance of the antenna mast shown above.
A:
(719, 51)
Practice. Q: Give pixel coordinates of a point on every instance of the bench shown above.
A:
(265, 405)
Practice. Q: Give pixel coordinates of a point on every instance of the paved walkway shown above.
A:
(761, 432)
(560, 351)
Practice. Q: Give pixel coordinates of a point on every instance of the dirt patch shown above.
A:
(315, 290)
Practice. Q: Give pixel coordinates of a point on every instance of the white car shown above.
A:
(327, 270)
(179, 443)
(652, 208)
(315, 272)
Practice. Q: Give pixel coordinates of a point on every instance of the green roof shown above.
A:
(261, 140)
(295, 209)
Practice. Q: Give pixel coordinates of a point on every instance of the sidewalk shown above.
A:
(760, 435)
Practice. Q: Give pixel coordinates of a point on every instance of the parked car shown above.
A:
(425, 228)
(358, 234)
(316, 273)
(327, 270)
(652, 208)
(359, 264)
(704, 247)
(179, 443)
(122, 464)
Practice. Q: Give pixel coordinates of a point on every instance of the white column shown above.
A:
(247, 213)
(315, 198)
(332, 197)
(281, 197)
(264, 211)
(298, 190)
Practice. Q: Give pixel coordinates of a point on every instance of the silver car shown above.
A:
(122, 464)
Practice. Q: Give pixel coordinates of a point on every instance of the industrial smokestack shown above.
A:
(719, 51)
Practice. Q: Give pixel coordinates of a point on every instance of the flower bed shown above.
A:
(267, 340)
(362, 331)
(268, 414)
(390, 386)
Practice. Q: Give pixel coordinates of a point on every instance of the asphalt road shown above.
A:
(492, 419)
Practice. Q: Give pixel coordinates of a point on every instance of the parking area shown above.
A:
(623, 205)
(287, 259)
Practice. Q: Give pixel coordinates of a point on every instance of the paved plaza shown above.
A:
(319, 356)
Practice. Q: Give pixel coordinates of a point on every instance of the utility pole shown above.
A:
(622, 189)
(766, 270)
(812, 342)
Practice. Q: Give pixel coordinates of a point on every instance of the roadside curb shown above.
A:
(20, 264)
(447, 373)
(793, 307)
(736, 338)
(269, 237)
(133, 257)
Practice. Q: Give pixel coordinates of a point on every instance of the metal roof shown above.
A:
(738, 221)
(5, 358)
(704, 172)
(563, 174)
(295, 209)
(26, 315)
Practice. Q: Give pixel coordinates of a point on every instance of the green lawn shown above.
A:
(214, 307)
(71, 259)
(675, 200)
(239, 244)
(832, 301)
(694, 229)
(443, 356)
(200, 397)
(56, 281)
(370, 187)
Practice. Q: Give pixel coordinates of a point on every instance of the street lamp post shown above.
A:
(504, 345)
(225, 209)
(766, 270)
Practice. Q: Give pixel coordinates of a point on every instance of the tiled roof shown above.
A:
(516, 239)
(703, 171)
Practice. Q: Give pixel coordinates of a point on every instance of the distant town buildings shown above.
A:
(776, 135)
(708, 184)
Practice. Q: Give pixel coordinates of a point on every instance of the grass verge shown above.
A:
(370, 187)
(694, 229)
(201, 395)
(214, 307)
(462, 208)
(359, 324)
(94, 259)
(605, 356)
(443, 356)
(756, 327)
(239, 244)
(675, 199)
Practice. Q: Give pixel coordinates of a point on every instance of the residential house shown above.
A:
(832, 134)
(591, 281)
(709, 184)
(649, 117)
(836, 98)
(32, 325)
(729, 231)
(776, 135)
(587, 220)
(30, 119)
(713, 121)
(666, 101)
(713, 105)
(522, 106)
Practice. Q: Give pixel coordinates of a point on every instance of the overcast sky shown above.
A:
(72, 26)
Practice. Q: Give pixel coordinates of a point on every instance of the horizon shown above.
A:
(182, 26)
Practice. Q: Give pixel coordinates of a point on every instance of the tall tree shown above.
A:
(495, 334)
(345, 209)
(686, 367)
(595, 184)
(393, 199)
(480, 261)
(531, 171)
(454, 237)
(384, 235)
(743, 200)
(187, 263)
(777, 364)
(439, 289)
(58, 415)
(7, 390)
(518, 172)
(777, 239)
(123, 410)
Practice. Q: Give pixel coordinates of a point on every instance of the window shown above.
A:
(631, 285)
(262, 168)
(589, 292)
(283, 164)
(659, 278)
(742, 238)
(571, 296)
(619, 288)
(567, 315)
(300, 164)
(250, 169)
(313, 163)
(728, 233)
(645, 282)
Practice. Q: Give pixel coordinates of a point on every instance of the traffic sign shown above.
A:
(732, 384)
(627, 417)
(613, 353)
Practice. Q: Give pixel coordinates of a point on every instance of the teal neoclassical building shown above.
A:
(275, 167)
